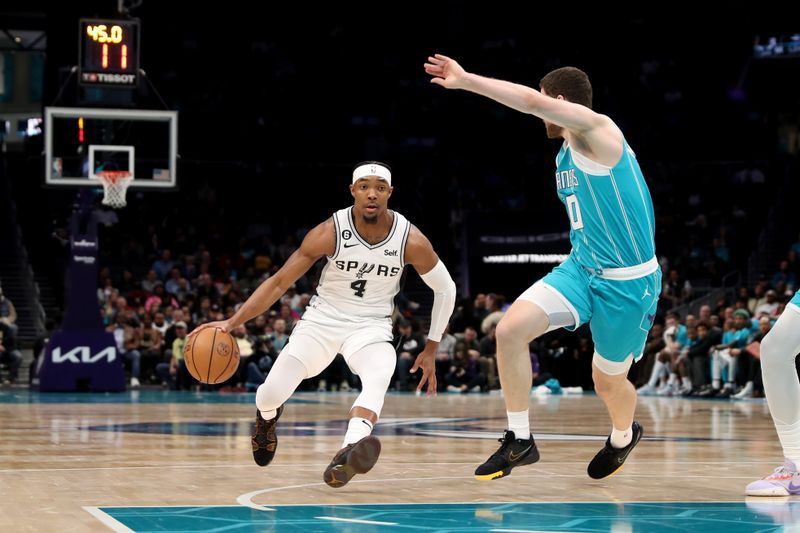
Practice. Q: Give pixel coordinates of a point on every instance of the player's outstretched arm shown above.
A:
(595, 129)
(574, 117)
(419, 254)
(319, 242)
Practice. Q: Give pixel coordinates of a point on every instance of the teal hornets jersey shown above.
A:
(610, 209)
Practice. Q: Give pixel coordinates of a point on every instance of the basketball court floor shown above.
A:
(168, 461)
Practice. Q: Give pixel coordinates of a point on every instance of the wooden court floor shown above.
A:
(168, 461)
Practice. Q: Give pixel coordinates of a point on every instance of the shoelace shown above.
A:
(503, 445)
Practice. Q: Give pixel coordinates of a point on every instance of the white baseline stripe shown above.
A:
(108, 520)
(356, 521)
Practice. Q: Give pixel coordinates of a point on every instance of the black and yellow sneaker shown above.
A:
(513, 452)
(356, 458)
(610, 459)
(264, 439)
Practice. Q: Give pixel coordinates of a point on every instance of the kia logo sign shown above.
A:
(83, 354)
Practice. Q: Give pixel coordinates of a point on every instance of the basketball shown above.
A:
(211, 356)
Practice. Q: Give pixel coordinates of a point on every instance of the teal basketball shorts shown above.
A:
(619, 304)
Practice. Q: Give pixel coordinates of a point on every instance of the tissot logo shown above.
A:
(116, 78)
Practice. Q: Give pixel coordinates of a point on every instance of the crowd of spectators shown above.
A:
(173, 260)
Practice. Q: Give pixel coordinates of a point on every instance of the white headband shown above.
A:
(372, 169)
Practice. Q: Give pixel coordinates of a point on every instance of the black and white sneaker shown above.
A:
(513, 452)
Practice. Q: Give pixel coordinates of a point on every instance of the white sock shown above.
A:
(357, 429)
(621, 437)
(269, 415)
(519, 423)
(686, 382)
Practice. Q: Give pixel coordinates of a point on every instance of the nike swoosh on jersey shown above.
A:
(351, 245)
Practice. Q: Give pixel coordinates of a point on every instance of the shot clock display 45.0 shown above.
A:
(109, 52)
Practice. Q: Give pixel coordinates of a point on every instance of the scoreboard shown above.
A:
(109, 52)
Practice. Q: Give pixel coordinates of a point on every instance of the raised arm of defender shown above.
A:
(595, 134)
(319, 242)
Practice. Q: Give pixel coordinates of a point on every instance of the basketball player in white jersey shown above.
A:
(779, 349)
(366, 247)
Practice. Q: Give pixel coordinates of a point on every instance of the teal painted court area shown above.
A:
(653, 517)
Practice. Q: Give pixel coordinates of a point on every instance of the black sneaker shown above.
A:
(610, 459)
(264, 439)
(356, 458)
(513, 452)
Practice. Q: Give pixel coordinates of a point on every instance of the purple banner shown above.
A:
(82, 356)
(82, 361)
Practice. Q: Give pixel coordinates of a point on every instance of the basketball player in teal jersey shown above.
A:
(779, 350)
(611, 279)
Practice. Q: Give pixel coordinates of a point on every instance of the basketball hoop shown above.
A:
(115, 185)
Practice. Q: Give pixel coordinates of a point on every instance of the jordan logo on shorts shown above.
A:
(646, 293)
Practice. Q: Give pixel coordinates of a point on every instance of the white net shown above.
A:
(115, 185)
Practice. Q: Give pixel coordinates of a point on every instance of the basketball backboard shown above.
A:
(79, 142)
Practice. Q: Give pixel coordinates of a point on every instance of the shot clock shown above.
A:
(109, 52)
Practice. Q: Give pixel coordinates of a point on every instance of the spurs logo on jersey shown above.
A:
(362, 279)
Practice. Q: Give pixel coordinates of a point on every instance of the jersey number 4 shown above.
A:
(359, 285)
(574, 211)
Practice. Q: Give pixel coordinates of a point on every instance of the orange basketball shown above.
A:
(211, 356)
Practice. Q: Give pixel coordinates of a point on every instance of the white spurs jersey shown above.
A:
(362, 279)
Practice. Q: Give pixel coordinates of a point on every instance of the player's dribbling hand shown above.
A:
(224, 325)
(445, 71)
(427, 362)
